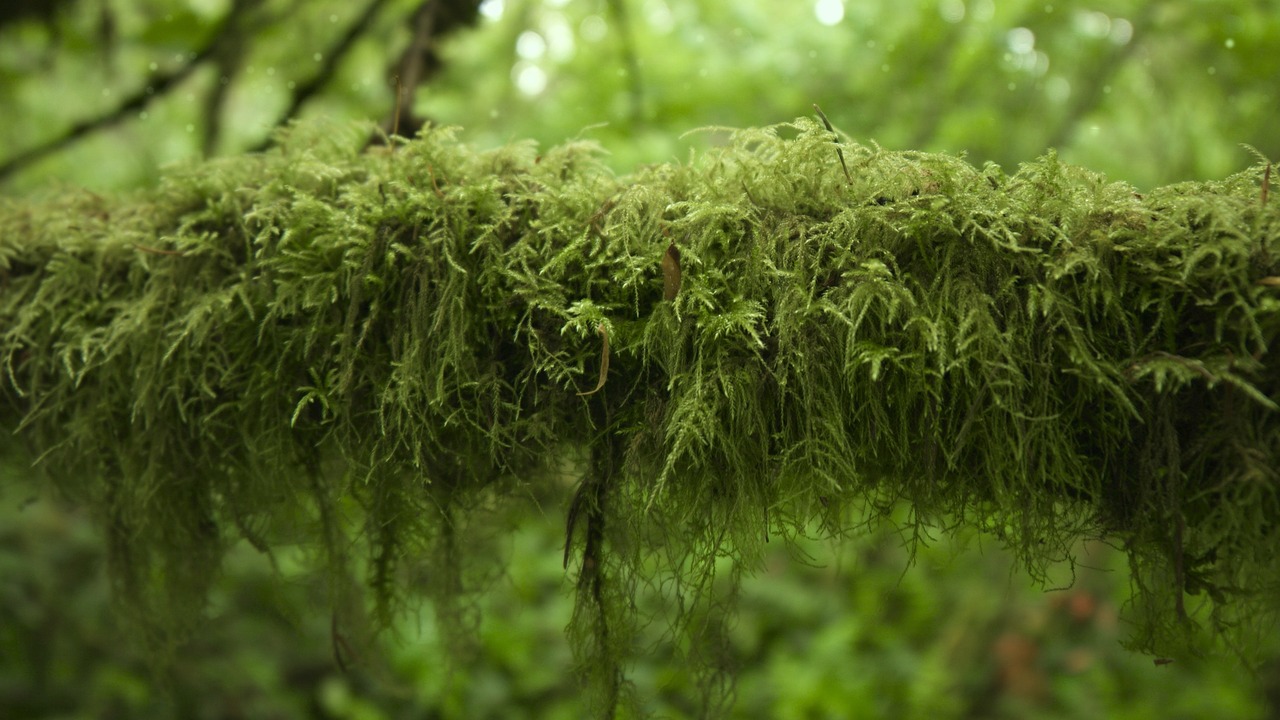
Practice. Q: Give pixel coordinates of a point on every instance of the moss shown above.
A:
(325, 345)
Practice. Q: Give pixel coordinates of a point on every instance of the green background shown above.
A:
(1147, 92)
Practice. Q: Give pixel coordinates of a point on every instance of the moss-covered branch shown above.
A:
(265, 345)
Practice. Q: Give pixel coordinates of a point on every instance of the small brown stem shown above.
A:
(434, 186)
(157, 251)
(341, 648)
(604, 363)
(671, 272)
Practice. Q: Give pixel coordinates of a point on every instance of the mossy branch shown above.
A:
(1045, 355)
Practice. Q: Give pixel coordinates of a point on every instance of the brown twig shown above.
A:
(594, 220)
(671, 275)
(432, 174)
(341, 648)
(395, 122)
(157, 251)
(604, 363)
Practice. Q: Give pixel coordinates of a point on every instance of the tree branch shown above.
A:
(329, 62)
(157, 86)
(1016, 353)
(420, 62)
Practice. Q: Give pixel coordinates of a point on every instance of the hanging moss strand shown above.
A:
(377, 355)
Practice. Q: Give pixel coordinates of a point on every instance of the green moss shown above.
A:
(365, 349)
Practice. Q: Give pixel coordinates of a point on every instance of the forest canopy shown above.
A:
(1147, 92)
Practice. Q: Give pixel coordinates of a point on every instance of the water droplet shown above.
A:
(1230, 43)
(1058, 89)
(660, 17)
(191, 128)
(951, 11)
(530, 45)
(1021, 40)
(560, 40)
(1121, 31)
(593, 28)
(491, 9)
(153, 67)
(530, 79)
(317, 57)
(1040, 66)
(1092, 24)
(829, 12)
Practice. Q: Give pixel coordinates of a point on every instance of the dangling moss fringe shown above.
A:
(416, 334)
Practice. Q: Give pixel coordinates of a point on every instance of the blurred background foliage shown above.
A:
(1148, 92)
(104, 93)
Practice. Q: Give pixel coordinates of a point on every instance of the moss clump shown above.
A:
(317, 344)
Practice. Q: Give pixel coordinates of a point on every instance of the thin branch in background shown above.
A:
(395, 121)
(108, 37)
(157, 86)
(330, 60)
(44, 12)
(420, 61)
(412, 68)
(618, 9)
(227, 60)
(227, 66)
